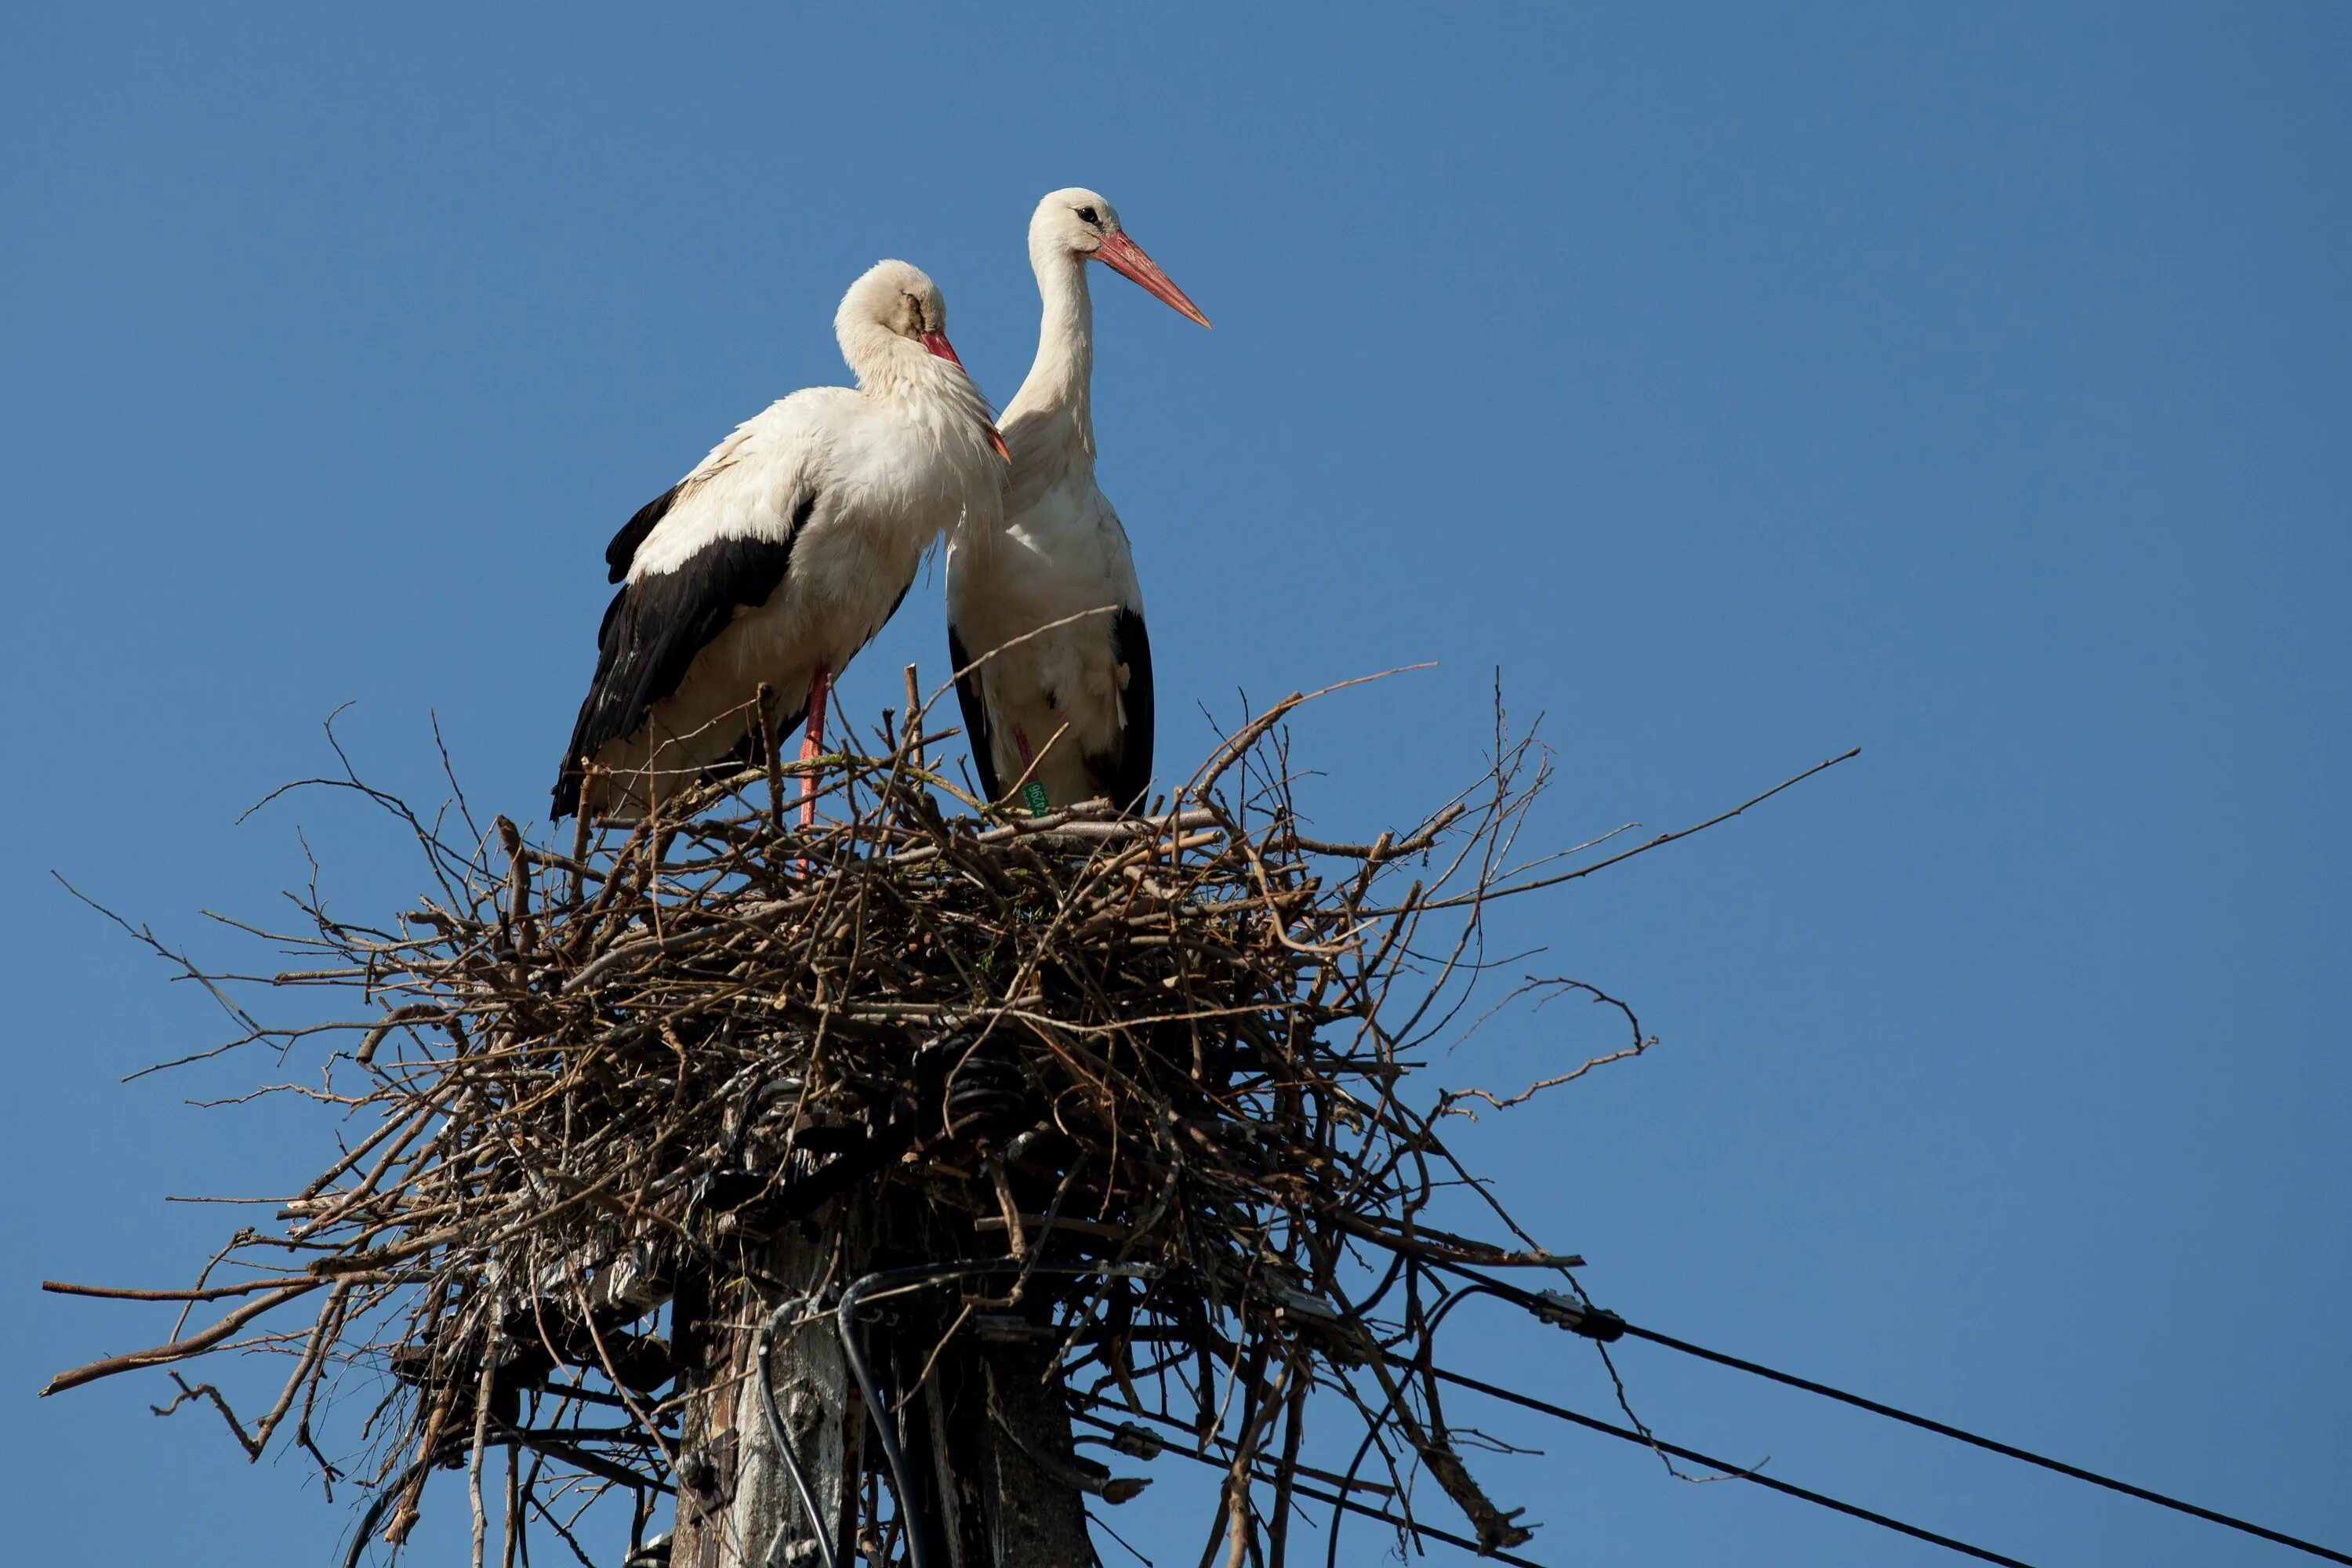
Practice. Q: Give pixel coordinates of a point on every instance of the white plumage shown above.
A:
(1071, 706)
(782, 552)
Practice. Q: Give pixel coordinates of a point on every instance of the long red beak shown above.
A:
(938, 344)
(1124, 257)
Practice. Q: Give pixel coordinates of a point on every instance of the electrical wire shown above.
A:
(939, 1274)
(776, 1424)
(1434, 1533)
(901, 1481)
(1630, 1435)
(385, 1494)
(845, 1315)
(2060, 1466)
(1426, 1531)
(1315, 1494)
(1609, 1326)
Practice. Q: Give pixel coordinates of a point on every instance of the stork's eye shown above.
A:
(1088, 214)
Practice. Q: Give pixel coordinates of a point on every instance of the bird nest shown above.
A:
(1148, 1079)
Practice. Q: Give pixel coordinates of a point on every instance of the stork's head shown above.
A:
(897, 297)
(1080, 223)
(890, 321)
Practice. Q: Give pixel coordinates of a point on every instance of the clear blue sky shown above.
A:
(1744, 384)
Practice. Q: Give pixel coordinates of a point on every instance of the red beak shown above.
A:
(938, 344)
(1124, 257)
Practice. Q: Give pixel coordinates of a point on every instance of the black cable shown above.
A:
(373, 1515)
(845, 1315)
(2060, 1466)
(940, 1274)
(1564, 1413)
(1302, 1489)
(1429, 1330)
(1347, 1479)
(818, 1530)
(918, 1555)
(449, 1448)
(1609, 1326)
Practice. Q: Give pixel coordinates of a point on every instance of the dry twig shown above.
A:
(1175, 1045)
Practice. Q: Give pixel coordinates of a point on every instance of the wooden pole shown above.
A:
(1034, 1516)
(982, 1428)
(738, 1503)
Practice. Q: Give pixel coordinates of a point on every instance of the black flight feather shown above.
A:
(652, 631)
(975, 715)
(1126, 774)
(623, 548)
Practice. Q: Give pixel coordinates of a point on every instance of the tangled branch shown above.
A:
(1157, 1068)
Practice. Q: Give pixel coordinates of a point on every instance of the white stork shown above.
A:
(1071, 708)
(781, 554)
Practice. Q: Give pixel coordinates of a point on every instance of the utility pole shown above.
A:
(979, 1419)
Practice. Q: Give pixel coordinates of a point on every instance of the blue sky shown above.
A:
(1742, 383)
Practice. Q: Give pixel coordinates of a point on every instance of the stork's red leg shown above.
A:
(813, 742)
(1033, 793)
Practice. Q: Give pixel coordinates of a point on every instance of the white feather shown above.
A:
(1059, 549)
(887, 468)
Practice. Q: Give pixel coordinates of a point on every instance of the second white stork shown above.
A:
(781, 552)
(1070, 708)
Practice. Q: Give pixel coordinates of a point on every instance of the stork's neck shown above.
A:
(894, 369)
(1064, 370)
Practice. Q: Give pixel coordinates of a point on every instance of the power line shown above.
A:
(888, 1281)
(818, 1531)
(1605, 1326)
(1596, 1324)
(1432, 1532)
(2060, 1466)
(1427, 1531)
(1564, 1413)
(1315, 1494)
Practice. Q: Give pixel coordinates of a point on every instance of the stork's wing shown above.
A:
(1125, 775)
(623, 548)
(654, 627)
(975, 702)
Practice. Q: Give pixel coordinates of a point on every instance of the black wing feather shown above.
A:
(1125, 776)
(623, 548)
(975, 716)
(652, 631)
